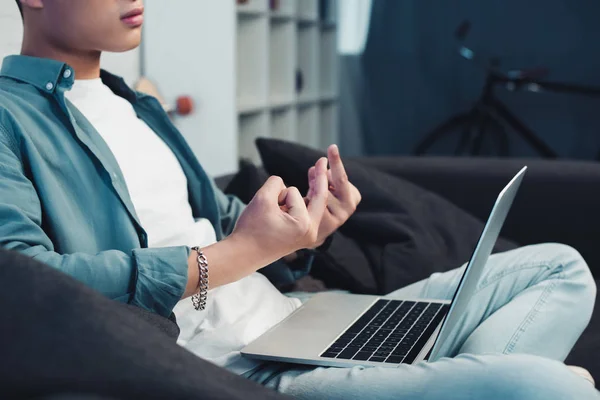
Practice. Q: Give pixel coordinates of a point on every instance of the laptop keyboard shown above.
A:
(390, 331)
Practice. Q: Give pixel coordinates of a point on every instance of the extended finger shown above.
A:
(339, 178)
(320, 191)
(311, 178)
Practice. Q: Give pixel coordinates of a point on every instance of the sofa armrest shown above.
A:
(558, 202)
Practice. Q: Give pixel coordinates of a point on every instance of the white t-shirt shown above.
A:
(236, 313)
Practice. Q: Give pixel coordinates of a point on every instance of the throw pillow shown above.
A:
(399, 234)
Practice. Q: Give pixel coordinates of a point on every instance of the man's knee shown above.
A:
(570, 264)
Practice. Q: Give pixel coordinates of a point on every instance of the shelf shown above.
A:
(283, 124)
(282, 60)
(282, 18)
(287, 73)
(307, 100)
(304, 22)
(251, 128)
(281, 102)
(252, 63)
(253, 7)
(328, 97)
(308, 126)
(251, 106)
(251, 14)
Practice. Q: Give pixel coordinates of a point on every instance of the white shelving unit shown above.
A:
(259, 68)
(287, 72)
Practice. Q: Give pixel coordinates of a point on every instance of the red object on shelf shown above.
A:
(185, 105)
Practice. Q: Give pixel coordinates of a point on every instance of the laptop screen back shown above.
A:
(470, 279)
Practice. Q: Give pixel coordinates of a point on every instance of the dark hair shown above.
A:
(20, 6)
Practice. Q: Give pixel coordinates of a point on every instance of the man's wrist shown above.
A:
(246, 250)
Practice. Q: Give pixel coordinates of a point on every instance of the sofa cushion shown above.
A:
(400, 233)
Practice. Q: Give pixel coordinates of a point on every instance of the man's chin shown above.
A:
(126, 45)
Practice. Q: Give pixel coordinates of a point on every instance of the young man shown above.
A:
(96, 182)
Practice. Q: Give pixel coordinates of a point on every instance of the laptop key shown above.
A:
(394, 360)
(341, 342)
(377, 359)
(414, 352)
(395, 335)
(362, 356)
(329, 354)
(347, 354)
(400, 352)
(348, 335)
(383, 354)
(369, 348)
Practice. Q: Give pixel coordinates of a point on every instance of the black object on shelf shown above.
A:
(489, 117)
(326, 11)
(299, 81)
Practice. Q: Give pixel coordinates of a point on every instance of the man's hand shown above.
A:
(343, 196)
(278, 221)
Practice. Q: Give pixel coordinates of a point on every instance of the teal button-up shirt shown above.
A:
(63, 199)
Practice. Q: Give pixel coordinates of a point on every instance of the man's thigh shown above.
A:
(465, 377)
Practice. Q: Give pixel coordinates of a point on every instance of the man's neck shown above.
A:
(85, 64)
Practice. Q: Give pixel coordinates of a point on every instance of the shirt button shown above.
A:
(49, 86)
(67, 74)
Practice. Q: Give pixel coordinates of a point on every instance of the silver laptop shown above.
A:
(343, 330)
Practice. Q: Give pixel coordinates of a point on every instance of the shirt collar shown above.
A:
(47, 75)
(43, 73)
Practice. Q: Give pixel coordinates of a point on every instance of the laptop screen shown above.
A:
(474, 269)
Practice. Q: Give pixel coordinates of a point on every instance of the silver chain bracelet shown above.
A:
(199, 299)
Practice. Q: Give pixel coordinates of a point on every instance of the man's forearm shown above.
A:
(229, 260)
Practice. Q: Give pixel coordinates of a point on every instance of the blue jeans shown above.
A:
(531, 306)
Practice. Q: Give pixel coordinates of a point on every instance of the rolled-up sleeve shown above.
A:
(161, 278)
